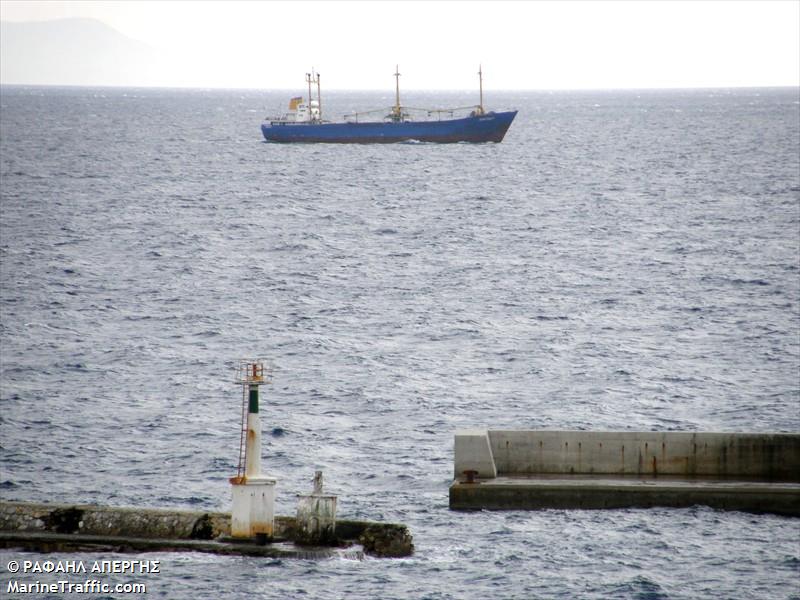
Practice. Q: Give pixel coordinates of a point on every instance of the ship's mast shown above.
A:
(397, 112)
(314, 78)
(308, 81)
(480, 80)
(319, 99)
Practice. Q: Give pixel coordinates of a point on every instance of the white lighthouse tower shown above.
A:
(253, 513)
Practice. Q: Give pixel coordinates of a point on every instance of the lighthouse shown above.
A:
(253, 513)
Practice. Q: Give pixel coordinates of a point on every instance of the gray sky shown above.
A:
(521, 44)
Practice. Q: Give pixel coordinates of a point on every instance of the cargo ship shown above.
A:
(304, 123)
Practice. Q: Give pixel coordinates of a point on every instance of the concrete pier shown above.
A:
(77, 528)
(502, 469)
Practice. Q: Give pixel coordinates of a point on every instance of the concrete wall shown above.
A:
(473, 452)
(759, 456)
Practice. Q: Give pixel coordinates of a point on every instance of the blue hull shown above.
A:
(490, 127)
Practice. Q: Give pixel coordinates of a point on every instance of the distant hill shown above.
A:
(73, 52)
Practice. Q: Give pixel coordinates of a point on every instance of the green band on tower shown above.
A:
(253, 408)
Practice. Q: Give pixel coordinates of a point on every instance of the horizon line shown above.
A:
(382, 90)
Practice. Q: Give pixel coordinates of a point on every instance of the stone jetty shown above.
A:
(83, 527)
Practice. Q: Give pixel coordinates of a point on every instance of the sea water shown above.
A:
(621, 261)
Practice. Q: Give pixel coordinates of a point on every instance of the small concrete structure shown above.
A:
(253, 507)
(584, 469)
(316, 515)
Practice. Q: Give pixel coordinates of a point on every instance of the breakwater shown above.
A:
(584, 469)
(62, 528)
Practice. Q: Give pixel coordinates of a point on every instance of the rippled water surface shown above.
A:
(623, 260)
